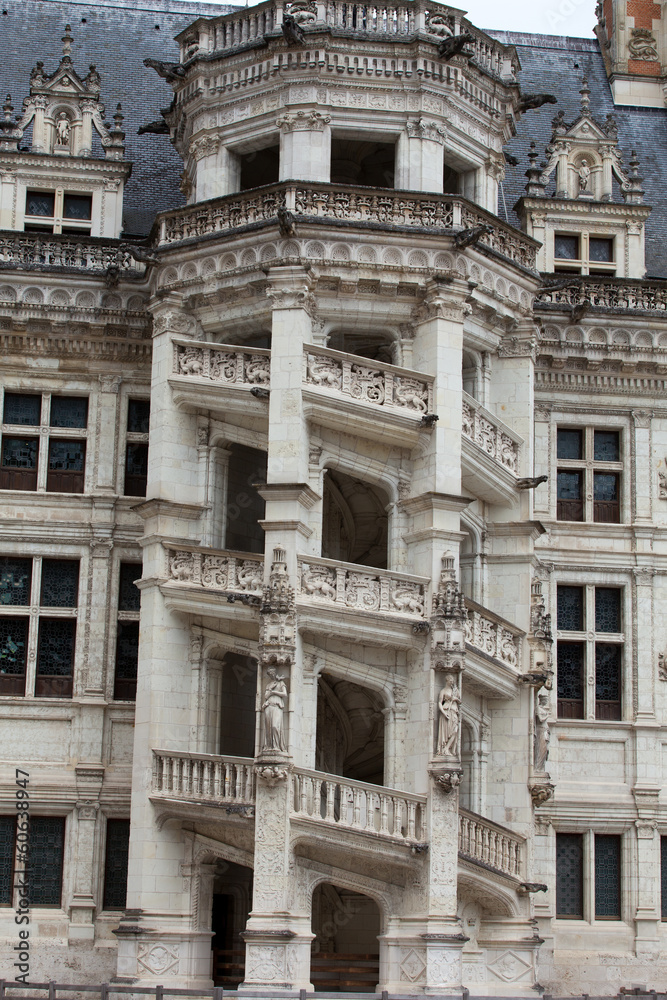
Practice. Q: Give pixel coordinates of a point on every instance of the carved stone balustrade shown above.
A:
(233, 573)
(398, 20)
(615, 295)
(368, 382)
(40, 251)
(204, 778)
(491, 845)
(493, 636)
(407, 209)
(361, 588)
(354, 805)
(224, 364)
(494, 437)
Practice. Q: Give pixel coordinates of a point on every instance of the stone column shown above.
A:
(107, 432)
(88, 107)
(305, 146)
(420, 156)
(89, 779)
(99, 596)
(204, 150)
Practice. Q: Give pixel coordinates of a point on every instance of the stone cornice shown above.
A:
(23, 162)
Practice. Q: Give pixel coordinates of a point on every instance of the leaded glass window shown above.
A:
(607, 609)
(56, 646)
(22, 408)
(15, 580)
(60, 583)
(566, 247)
(127, 654)
(69, 411)
(601, 249)
(13, 643)
(128, 592)
(588, 475)
(40, 203)
(606, 446)
(569, 876)
(570, 680)
(45, 860)
(569, 443)
(66, 456)
(19, 453)
(138, 415)
(607, 877)
(570, 608)
(607, 681)
(136, 470)
(115, 865)
(77, 206)
(7, 847)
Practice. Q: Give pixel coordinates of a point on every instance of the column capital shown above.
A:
(290, 287)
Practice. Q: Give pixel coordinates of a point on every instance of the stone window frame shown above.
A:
(583, 263)
(131, 438)
(104, 866)
(588, 880)
(34, 613)
(44, 433)
(120, 615)
(65, 854)
(588, 466)
(588, 636)
(58, 221)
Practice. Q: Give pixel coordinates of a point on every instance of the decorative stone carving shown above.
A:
(379, 591)
(449, 780)
(642, 45)
(542, 734)
(272, 774)
(158, 959)
(662, 666)
(541, 792)
(273, 709)
(419, 128)
(303, 121)
(449, 718)
(204, 145)
(479, 426)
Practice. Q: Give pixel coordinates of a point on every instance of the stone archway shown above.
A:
(345, 955)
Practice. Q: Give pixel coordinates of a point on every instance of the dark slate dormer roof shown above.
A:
(548, 66)
(116, 37)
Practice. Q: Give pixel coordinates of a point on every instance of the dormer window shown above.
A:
(582, 253)
(58, 212)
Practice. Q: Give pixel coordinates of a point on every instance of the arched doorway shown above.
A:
(238, 693)
(350, 730)
(354, 521)
(232, 899)
(346, 951)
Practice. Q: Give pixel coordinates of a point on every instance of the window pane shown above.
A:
(601, 249)
(570, 604)
(56, 647)
(607, 681)
(40, 203)
(606, 446)
(115, 866)
(45, 860)
(570, 505)
(60, 583)
(566, 247)
(69, 411)
(569, 444)
(13, 641)
(19, 453)
(7, 846)
(136, 470)
(569, 485)
(607, 609)
(608, 876)
(15, 579)
(128, 592)
(127, 652)
(606, 506)
(663, 875)
(22, 409)
(570, 659)
(569, 875)
(66, 456)
(77, 206)
(138, 415)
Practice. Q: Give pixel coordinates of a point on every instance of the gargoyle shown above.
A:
(511, 160)
(168, 71)
(530, 483)
(450, 47)
(159, 127)
(531, 102)
(140, 254)
(293, 33)
(579, 311)
(286, 222)
(468, 237)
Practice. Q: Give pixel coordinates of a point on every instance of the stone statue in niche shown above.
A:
(584, 176)
(273, 708)
(63, 129)
(542, 734)
(449, 718)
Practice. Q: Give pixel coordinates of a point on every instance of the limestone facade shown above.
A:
(397, 522)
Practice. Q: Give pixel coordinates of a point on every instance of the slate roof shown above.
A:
(555, 65)
(117, 37)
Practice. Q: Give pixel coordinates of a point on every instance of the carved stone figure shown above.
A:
(542, 734)
(273, 707)
(63, 129)
(449, 707)
(584, 175)
(642, 45)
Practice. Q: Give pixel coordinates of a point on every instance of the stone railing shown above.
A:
(395, 19)
(608, 294)
(226, 572)
(40, 250)
(493, 635)
(492, 436)
(203, 777)
(222, 363)
(381, 385)
(408, 209)
(361, 588)
(490, 844)
(355, 805)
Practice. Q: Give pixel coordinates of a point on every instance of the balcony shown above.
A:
(219, 377)
(482, 842)
(338, 204)
(353, 395)
(497, 644)
(197, 577)
(85, 254)
(490, 454)
(226, 783)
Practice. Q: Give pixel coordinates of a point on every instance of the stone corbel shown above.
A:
(419, 128)
(541, 790)
(445, 777)
(303, 121)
